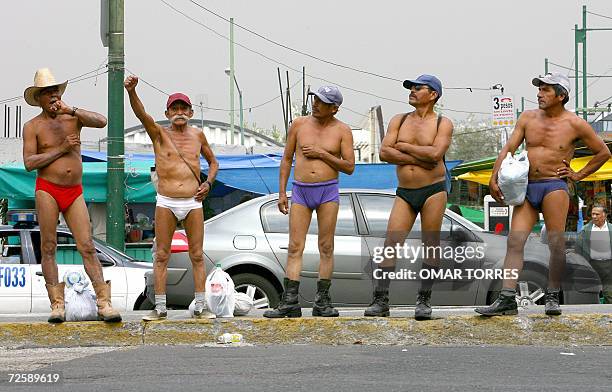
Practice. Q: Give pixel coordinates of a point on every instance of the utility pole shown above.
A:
(231, 81)
(115, 221)
(584, 64)
(545, 65)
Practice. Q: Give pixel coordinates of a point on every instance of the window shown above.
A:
(275, 222)
(10, 245)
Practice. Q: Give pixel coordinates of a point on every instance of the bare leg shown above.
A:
(299, 221)
(400, 223)
(194, 227)
(48, 214)
(327, 215)
(77, 219)
(165, 224)
(523, 219)
(431, 222)
(554, 207)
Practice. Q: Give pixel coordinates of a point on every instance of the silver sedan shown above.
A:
(250, 242)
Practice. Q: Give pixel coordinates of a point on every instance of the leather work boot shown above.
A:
(379, 306)
(56, 297)
(103, 300)
(288, 305)
(504, 305)
(322, 305)
(422, 308)
(552, 307)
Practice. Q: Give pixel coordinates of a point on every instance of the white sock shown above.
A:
(160, 302)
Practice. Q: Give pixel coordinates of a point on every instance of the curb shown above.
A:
(575, 329)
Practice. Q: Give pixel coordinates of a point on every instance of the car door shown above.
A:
(15, 285)
(69, 259)
(350, 282)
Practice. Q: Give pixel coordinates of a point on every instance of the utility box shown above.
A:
(497, 216)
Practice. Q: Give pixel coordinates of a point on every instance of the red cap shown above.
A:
(177, 97)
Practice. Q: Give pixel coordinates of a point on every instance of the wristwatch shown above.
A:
(74, 109)
(209, 184)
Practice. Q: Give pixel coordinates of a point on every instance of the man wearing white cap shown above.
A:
(549, 133)
(52, 146)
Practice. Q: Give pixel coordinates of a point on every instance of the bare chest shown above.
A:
(418, 132)
(52, 133)
(557, 135)
(327, 139)
(188, 144)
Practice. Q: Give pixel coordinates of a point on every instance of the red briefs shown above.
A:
(63, 195)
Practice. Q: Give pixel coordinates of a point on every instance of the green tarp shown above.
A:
(18, 184)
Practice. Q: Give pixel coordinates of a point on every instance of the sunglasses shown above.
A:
(419, 87)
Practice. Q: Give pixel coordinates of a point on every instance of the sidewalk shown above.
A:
(579, 325)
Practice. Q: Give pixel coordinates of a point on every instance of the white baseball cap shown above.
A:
(553, 78)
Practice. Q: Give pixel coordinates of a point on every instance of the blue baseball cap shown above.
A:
(428, 80)
(329, 94)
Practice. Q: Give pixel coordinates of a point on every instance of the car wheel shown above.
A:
(143, 303)
(530, 290)
(263, 293)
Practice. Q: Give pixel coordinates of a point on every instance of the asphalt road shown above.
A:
(321, 368)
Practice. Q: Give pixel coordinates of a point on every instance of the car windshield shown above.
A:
(114, 252)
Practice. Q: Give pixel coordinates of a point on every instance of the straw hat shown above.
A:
(42, 79)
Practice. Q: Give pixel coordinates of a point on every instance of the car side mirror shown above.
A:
(460, 234)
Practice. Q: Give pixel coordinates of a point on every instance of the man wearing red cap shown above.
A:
(52, 147)
(179, 192)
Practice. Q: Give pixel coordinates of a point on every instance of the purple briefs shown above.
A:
(313, 194)
(538, 189)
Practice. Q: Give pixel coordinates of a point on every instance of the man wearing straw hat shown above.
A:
(52, 147)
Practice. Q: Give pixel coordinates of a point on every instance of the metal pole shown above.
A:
(584, 64)
(304, 96)
(545, 66)
(280, 86)
(115, 196)
(231, 81)
(576, 67)
(241, 115)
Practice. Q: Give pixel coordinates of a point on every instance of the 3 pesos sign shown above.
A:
(503, 111)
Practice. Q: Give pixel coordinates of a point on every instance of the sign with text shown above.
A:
(504, 114)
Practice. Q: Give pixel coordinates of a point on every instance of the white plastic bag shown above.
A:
(220, 293)
(80, 302)
(513, 177)
(243, 304)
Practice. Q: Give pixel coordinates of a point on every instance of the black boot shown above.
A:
(322, 305)
(552, 307)
(422, 308)
(288, 305)
(504, 305)
(379, 306)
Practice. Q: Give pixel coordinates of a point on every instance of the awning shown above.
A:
(604, 172)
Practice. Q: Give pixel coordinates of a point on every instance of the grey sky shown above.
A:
(464, 43)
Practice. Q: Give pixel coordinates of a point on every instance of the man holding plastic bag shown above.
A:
(549, 133)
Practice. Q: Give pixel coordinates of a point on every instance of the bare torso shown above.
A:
(175, 178)
(50, 133)
(328, 138)
(549, 141)
(420, 132)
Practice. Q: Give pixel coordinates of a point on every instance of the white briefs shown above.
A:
(180, 206)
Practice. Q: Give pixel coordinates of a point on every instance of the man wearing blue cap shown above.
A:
(416, 142)
(550, 133)
(323, 146)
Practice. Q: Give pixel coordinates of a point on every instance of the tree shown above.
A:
(475, 139)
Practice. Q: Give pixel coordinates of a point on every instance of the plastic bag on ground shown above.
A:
(243, 304)
(513, 177)
(220, 297)
(80, 302)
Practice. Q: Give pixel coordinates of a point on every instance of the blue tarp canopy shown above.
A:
(252, 173)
